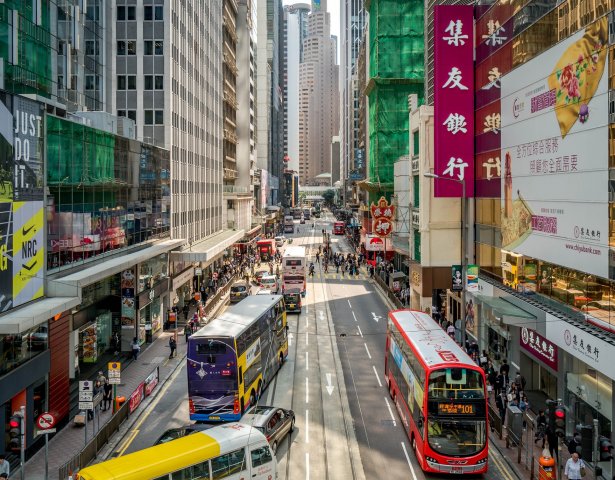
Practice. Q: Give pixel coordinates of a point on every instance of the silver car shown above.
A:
(274, 422)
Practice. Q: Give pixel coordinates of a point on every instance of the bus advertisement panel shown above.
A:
(339, 228)
(440, 394)
(294, 265)
(266, 249)
(233, 358)
(289, 224)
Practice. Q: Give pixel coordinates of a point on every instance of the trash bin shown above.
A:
(119, 401)
(514, 424)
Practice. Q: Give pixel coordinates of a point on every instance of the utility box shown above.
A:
(514, 424)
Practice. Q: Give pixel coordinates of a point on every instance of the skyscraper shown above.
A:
(318, 96)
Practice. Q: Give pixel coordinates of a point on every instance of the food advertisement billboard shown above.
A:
(554, 185)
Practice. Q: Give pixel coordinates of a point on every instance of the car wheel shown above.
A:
(274, 448)
(292, 425)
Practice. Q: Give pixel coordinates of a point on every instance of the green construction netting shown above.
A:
(396, 39)
(77, 154)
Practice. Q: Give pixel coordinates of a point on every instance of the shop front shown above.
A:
(426, 285)
(152, 303)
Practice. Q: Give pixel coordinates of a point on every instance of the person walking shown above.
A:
(187, 332)
(107, 395)
(575, 467)
(5, 467)
(136, 348)
(172, 346)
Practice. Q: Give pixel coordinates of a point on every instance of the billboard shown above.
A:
(454, 100)
(22, 246)
(554, 185)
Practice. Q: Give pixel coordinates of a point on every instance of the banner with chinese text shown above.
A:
(454, 100)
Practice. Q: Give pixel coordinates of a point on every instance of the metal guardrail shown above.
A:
(380, 281)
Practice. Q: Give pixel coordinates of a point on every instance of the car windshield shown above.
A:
(455, 383)
(456, 437)
(238, 288)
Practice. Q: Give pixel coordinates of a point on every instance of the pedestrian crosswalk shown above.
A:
(332, 275)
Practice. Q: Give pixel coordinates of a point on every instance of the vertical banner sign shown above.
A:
(382, 218)
(456, 278)
(472, 278)
(454, 99)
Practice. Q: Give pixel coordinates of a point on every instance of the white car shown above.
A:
(279, 241)
(269, 282)
(264, 291)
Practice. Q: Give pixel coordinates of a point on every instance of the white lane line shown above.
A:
(367, 350)
(349, 304)
(360, 332)
(307, 426)
(307, 466)
(390, 410)
(377, 376)
(307, 309)
(355, 317)
(306, 338)
(307, 361)
(307, 390)
(403, 445)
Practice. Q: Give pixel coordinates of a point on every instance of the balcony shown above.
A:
(236, 191)
(231, 99)
(230, 136)
(230, 174)
(230, 63)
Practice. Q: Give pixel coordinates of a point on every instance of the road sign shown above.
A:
(86, 386)
(85, 396)
(45, 421)
(198, 272)
(86, 405)
(45, 432)
(114, 369)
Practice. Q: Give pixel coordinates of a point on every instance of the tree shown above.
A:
(329, 196)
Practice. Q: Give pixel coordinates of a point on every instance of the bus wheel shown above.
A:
(281, 362)
(259, 390)
(414, 444)
(252, 398)
(274, 448)
(243, 408)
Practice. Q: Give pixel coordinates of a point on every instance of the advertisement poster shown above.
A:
(127, 285)
(454, 100)
(22, 248)
(472, 278)
(554, 154)
(456, 278)
(89, 344)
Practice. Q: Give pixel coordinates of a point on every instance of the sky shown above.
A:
(333, 6)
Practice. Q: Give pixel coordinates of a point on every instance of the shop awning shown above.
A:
(23, 318)
(207, 250)
(253, 231)
(71, 284)
(511, 314)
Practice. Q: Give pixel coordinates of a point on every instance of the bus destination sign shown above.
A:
(456, 409)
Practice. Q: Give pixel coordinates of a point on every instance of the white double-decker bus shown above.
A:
(294, 266)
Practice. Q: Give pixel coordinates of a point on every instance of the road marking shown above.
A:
(307, 310)
(360, 332)
(367, 350)
(307, 390)
(307, 466)
(403, 445)
(376, 317)
(307, 361)
(290, 339)
(349, 304)
(390, 409)
(127, 443)
(306, 338)
(377, 376)
(355, 317)
(329, 386)
(307, 426)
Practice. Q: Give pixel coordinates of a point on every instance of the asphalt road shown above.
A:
(346, 423)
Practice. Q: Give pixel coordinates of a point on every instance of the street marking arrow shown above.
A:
(329, 386)
(376, 317)
(290, 339)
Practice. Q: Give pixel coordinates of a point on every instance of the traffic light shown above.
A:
(560, 421)
(587, 440)
(15, 432)
(606, 448)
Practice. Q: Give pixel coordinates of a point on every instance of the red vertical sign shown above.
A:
(454, 99)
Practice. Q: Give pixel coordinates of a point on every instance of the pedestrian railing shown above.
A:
(389, 293)
(218, 296)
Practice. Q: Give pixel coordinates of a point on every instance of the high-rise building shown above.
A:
(353, 24)
(318, 96)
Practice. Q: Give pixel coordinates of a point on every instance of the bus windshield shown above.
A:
(456, 437)
(455, 384)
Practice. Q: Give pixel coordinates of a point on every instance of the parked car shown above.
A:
(275, 423)
(239, 290)
(175, 433)
(269, 282)
(260, 273)
(279, 241)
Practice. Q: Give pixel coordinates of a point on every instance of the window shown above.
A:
(126, 12)
(153, 47)
(158, 82)
(131, 47)
(260, 456)
(131, 82)
(154, 117)
(91, 47)
(132, 114)
(148, 82)
(89, 82)
(159, 117)
(228, 464)
(121, 82)
(152, 12)
(121, 47)
(153, 82)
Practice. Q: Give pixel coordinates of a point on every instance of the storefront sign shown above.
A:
(150, 382)
(555, 120)
(136, 397)
(454, 99)
(456, 278)
(376, 244)
(581, 344)
(539, 347)
(382, 218)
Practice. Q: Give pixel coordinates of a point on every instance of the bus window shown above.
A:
(260, 456)
(240, 375)
(228, 464)
(456, 383)
(456, 437)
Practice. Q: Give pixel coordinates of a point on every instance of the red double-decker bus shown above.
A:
(339, 228)
(439, 393)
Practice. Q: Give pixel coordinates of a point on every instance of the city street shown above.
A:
(347, 426)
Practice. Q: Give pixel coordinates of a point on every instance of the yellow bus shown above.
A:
(233, 358)
(232, 451)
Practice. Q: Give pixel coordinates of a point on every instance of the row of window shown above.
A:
(129, 82)
(150, 47)
(150, 117)
(150, 12)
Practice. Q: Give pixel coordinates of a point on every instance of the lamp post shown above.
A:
(463, 240)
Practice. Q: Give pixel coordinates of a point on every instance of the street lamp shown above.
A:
(463, 240)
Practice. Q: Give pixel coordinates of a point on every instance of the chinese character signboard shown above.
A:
(555, 142)
(454, 99)
(539, 347)
(382, 218)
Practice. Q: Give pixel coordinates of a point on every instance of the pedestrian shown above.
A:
(451, 330)
(575, 468)
(136, 348)
(552, 438)
(505, 368)
(173, 346)
(185, 311)
(187, 332)
(107, 395)
(541, 428)
(101, 377)
(500, 404)
(520, 382)
(5, 467)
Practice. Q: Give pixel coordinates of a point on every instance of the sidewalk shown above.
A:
(71, 439)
